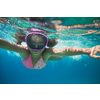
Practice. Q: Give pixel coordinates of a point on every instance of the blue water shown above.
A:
(70, 70)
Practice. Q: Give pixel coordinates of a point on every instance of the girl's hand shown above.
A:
(95, 50)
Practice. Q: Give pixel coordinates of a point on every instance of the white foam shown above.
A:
(11, 53)
(24, 44)
(77, 58)
(68, 43)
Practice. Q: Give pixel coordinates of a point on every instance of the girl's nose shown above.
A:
(36, 45)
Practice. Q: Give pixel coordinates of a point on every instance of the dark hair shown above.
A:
(20, 37)
(52, 42)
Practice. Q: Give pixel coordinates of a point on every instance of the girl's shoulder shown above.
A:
(45, 54)
(25, 55)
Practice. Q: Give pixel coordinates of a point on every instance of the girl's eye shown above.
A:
(33, 43)
(40, 43)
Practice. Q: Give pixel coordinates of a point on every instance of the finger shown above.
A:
(96, 57)
(91, 54)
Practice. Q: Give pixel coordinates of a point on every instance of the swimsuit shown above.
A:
(28, 63)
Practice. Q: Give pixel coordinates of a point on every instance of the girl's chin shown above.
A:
(35, 52)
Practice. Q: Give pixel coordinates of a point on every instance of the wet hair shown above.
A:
(52, 42)
(19, 37)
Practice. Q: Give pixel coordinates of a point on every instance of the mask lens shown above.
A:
(36, 41)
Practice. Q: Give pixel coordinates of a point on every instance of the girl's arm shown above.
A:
(72, 51)
(54, 58)
(12, 47)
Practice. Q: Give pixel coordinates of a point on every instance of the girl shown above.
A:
(35, 55)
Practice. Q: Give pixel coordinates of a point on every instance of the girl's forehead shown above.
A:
(36, 38)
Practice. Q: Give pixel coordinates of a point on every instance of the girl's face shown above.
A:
(36, 42)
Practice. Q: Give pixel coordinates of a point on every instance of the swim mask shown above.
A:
(36, 41)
